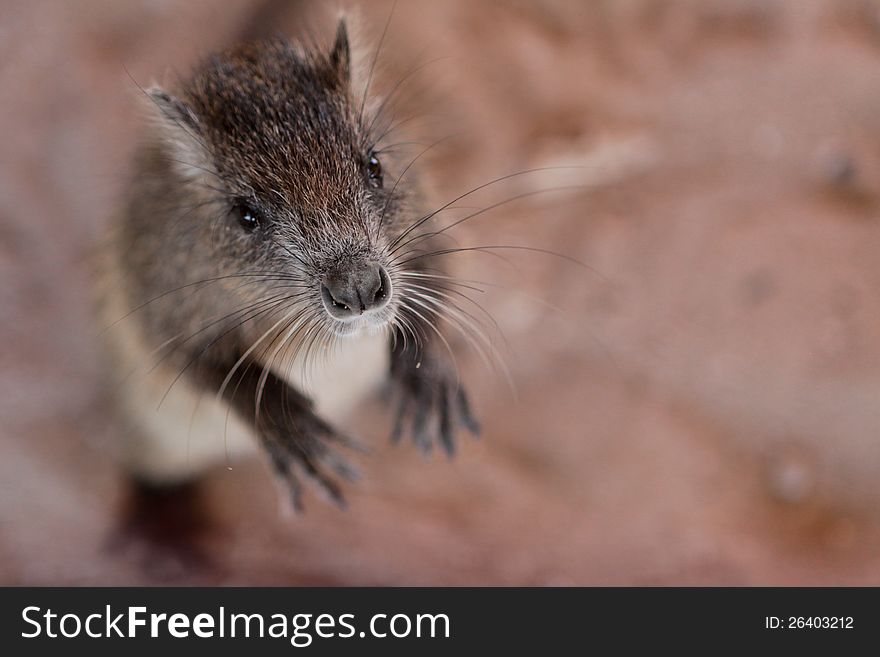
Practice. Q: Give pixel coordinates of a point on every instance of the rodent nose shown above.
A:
(348, 292)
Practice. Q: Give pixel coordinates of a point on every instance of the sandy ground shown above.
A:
(703, 407)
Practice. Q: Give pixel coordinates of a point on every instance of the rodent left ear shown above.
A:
(340, 56)
(178, 127)
(172, 108)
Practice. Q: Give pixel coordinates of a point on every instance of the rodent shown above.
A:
(255, 279)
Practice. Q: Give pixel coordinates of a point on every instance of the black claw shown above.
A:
(333, 492)
(464, 410)
(446, 431)
(295, 491)
(281, 464)
(341, 467)
(323, 482)
(420, 426)
(397, 431)
(348, 442)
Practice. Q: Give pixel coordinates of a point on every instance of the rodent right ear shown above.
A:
(340, 56)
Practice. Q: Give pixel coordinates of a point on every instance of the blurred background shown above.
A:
(701, 408)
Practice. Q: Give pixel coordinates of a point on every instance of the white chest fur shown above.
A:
(180, 431)
(338, 380)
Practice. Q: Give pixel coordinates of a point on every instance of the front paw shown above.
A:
(431, 402)
(302, 448)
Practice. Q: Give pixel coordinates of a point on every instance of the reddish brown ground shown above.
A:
(704, 410)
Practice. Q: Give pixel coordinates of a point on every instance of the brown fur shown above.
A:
(272, 132)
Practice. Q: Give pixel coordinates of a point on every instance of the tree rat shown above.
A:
(268, 270)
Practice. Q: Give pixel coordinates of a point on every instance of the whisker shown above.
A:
(446, 280)
(516, 247)
(395, 146)
(495, 181)
(269, 331)
(288, 332)
(427, 322)
(175, 342)
(222, 318)
(394, 126)
(375, 59)
(211, 344)
(487, 209)
(183, 287)
(446, 296)
(400, 177)
(463, 323)
(388, 96)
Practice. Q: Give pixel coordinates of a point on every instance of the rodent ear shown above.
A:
(173, 109)
(179, 128)
(340, 56)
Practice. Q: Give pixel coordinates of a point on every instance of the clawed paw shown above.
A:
(307, 452)
(431, 404)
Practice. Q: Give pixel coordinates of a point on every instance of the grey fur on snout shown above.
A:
(351, 289)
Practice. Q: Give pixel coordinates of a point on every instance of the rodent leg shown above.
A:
(297, 441)
(429, 394)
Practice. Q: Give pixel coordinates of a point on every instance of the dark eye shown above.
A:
(374, 170)
(247, 216)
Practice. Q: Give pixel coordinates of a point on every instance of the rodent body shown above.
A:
(262, 278)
